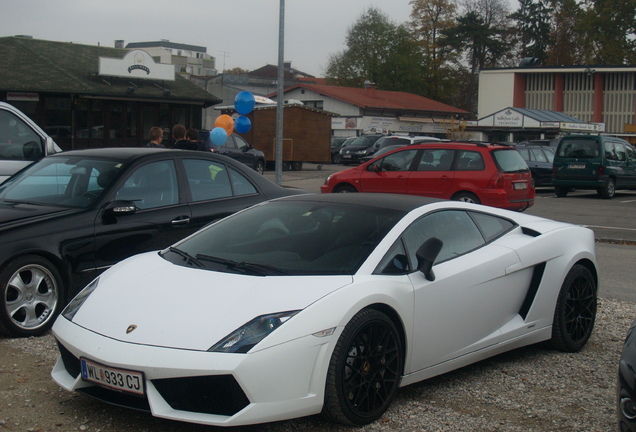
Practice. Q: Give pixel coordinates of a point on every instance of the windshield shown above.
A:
(61, 181)
(509, 160)
(289, 238)
(365, 141)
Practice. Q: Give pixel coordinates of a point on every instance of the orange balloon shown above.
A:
(226, 122)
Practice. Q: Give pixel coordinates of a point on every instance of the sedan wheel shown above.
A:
(31, 296)
(575, 312)
(365, 370)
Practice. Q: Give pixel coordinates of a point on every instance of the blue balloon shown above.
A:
(242, 124)
(218, 136)
(244, 102)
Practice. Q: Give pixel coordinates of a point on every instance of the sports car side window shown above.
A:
(453, 227)
(491, 227)
(394, 262)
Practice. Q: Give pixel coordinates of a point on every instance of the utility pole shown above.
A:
(280, 100)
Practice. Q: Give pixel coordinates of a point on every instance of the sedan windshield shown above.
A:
(289, 238)
(61, 181)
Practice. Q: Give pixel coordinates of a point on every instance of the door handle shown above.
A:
(181, 220)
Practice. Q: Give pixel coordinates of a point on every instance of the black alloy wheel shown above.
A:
(575, 312)
(365, 369)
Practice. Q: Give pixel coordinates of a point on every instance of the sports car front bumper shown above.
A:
(281, 382)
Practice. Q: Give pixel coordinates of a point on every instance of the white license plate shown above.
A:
(576, 166)
(520, 186)
(346, 156)
(115, 378)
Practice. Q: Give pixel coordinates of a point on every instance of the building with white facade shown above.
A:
(602, 96)
(189, 60)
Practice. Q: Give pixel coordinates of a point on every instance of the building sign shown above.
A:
(584, 127)
(377, 124)
(344, 123)
(508, 118)
(136, 64)
(23, 96)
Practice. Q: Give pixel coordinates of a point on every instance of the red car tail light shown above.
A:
(496, 181)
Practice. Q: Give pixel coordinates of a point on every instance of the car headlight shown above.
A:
(327, 179)
(247, 336)
(77, 302)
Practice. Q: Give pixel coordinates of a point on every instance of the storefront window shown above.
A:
(132, 117)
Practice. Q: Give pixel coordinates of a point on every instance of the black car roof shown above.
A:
(398, 202)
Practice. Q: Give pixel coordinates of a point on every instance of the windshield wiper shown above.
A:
(243, 267)
(186, 256)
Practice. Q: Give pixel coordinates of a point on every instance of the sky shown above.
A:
(239, 33)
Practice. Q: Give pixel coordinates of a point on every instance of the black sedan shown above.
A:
(68, 217)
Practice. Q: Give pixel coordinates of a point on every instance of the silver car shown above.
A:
(22, 142)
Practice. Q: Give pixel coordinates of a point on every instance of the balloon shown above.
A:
(218, 136)
(225, 122)
(244, 102)
(242, 124)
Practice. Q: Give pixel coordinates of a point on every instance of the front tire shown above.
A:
(259, 167)
(32, 295)
(345, 188)
(575, 312)
(365, 370)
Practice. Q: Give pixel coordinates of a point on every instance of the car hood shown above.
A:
(189, 308)
(13, 214)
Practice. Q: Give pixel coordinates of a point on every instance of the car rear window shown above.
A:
(578, 148)
(509, 160)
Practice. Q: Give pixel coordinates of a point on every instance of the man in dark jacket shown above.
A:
(182, 142)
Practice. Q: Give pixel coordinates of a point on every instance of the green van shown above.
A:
(602, 163)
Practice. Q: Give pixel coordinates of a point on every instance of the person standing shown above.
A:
(156, 138)
(193, 136)
(181, 141)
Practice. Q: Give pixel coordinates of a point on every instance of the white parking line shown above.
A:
(627, 201)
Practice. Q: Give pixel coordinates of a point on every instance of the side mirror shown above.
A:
(426, 255)
(121, 208)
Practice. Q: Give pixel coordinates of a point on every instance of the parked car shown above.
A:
(71, 215)
(360, 147)
(626, 402)
(597, 162)
(540, 161)
(237, 148)
(22, 142)
(336, 144)
(392, 140)
(473, 172)
(334, 301)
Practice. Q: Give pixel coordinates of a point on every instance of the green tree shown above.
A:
(429, 18)
(481, 45)
(534, 28)
(608, 28)
(565, 35)
(379, 51)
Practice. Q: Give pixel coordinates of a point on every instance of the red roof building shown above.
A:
(364, 110)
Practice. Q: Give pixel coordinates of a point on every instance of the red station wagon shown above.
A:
(486, 174)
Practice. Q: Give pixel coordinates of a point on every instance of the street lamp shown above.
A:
(280, 101)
